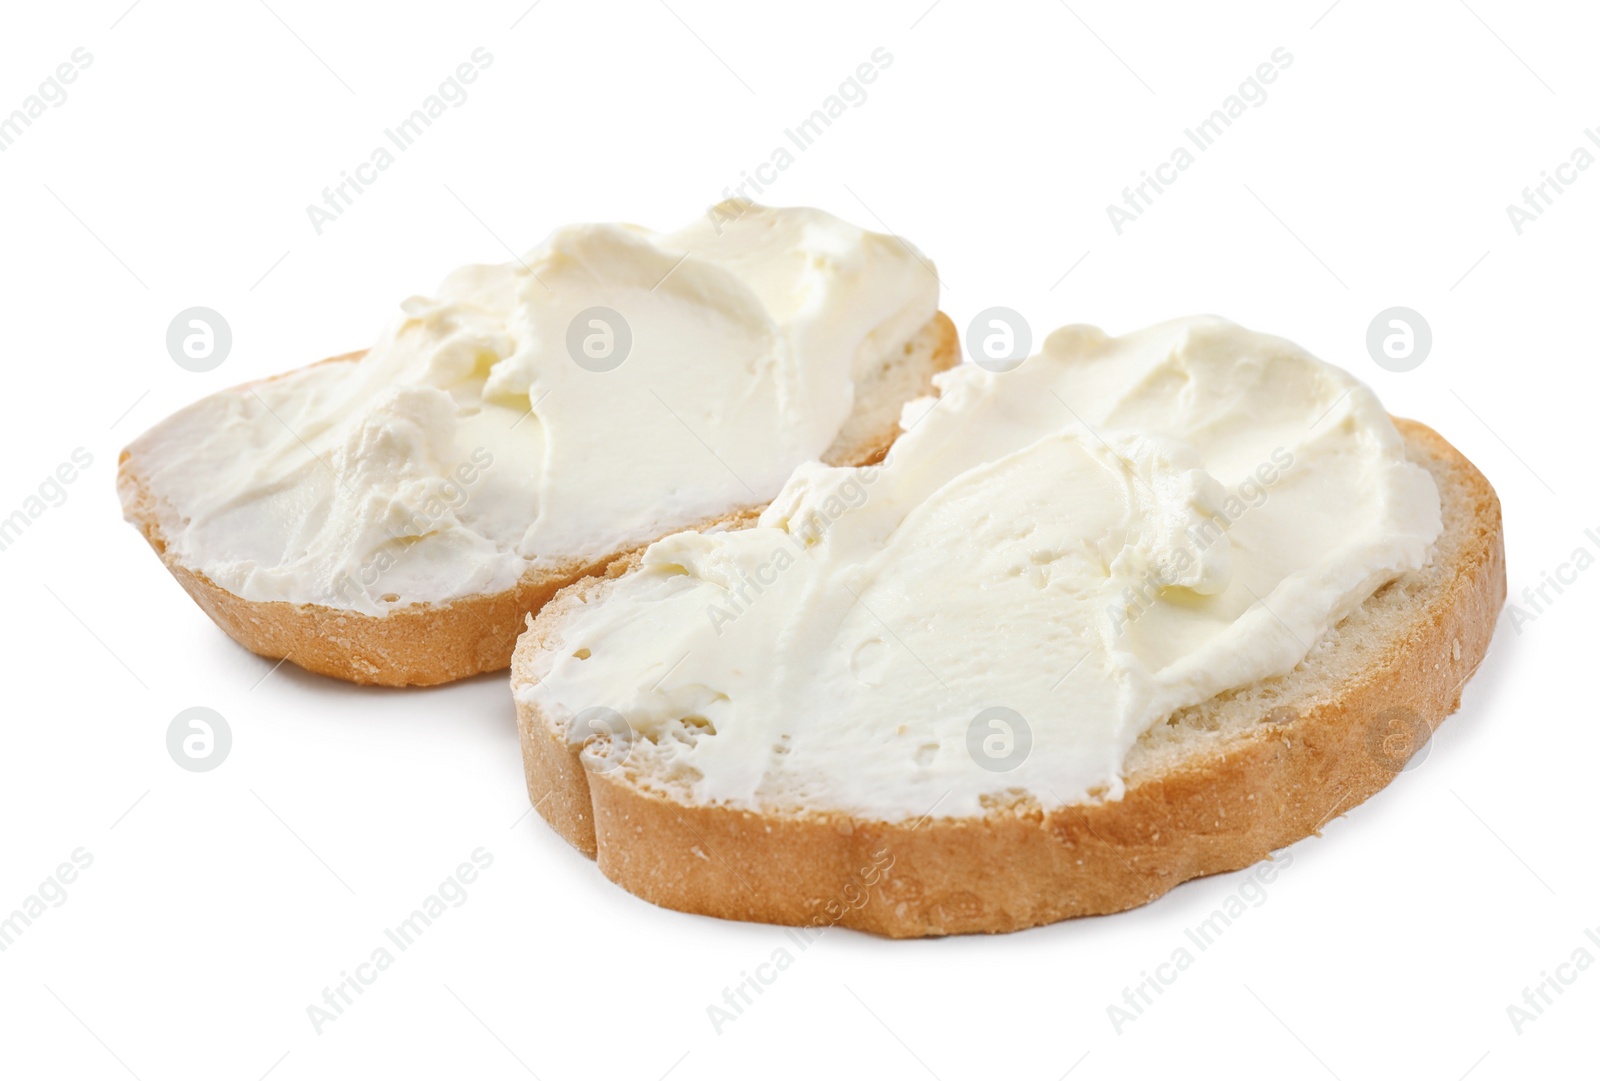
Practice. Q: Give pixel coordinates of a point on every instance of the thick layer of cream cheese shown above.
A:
(467, 446)
(1052, 560)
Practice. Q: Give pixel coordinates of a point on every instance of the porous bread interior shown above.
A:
(885, 386)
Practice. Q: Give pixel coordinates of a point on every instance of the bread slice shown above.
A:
(426, 644)
(1215, 788)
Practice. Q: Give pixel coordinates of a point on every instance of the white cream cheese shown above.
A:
(468, 445)
(1052, 560)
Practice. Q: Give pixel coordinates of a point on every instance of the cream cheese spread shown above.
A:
(1051, 561)
(514, 423)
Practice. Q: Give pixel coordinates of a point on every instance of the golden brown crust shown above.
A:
(1245, 792)
(421, 644)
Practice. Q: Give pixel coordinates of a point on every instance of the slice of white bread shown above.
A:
(426, 644)
(1215, 788)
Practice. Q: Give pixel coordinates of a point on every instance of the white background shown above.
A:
(219, 905)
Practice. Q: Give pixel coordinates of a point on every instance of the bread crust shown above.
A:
(422, 644)
(1241, 794)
